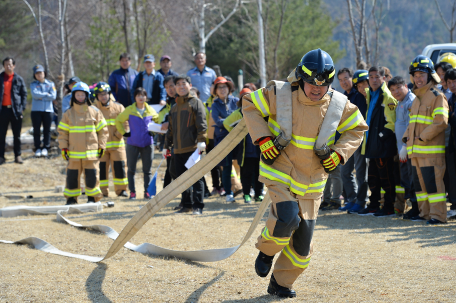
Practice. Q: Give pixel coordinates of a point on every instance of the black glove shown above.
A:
(126, 135)
(404, 140)
(151, 134)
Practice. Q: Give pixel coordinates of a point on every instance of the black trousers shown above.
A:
(7, 117)
(194, 195)
(250, 172)
(44, 118)
(216, 172)
(168, 178)
(381, 175)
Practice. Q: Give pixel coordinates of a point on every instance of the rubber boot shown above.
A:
(263, 264)
(277, 290)
(71, 201)
(415, 211)
(91, 200)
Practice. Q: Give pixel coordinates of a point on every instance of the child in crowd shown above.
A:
(114, 155)
(82, 139)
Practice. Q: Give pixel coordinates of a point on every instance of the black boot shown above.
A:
(415, 211)
(71, 201)
(277, 290)
(123, 194)
(91, 200)
(263, 264)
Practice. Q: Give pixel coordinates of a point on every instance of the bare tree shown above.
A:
(40, 29)
(377, 24)
(284, 4)
(199, 20)
(358, 32)
(450, 27)
(61, 77)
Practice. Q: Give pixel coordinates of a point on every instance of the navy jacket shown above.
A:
(220, 111)
(18, 94)
(158, 90)
(385, 146)
(170, 73)
(452, 122)
(120, 87)
(357, 99)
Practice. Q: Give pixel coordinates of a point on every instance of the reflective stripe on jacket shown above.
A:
(83, 130)
(298, 166)
(428, 121)
(110, 113)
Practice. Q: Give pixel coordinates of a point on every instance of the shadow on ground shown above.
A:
(396, 228)
(94, 284)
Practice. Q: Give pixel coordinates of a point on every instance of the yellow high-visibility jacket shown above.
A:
(298, 166)
(83, 130)
(428, 121)
(110, 113)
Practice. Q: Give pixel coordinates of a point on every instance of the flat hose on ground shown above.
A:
(154, 205)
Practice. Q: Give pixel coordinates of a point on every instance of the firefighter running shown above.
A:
(82, 139)
(295, 175)
(114, 154)
(425, 139)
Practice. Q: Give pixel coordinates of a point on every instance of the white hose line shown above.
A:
(154, 205)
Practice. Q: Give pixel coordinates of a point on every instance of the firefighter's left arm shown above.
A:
(102, 130)
(351, 127)
(232, 120)
(440, 119)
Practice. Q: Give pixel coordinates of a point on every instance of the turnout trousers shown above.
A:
(429, 187)
(116, 159)
(92, 185)
(289, 230)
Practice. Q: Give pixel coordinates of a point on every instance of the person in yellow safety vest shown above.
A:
(297, 177)
(114, 156)
(82, 138)
(425, 139)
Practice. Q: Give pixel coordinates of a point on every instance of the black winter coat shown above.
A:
(18, 94)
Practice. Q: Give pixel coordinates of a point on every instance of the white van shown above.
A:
(434, 51)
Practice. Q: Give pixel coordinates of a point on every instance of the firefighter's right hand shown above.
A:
(268, 148)
(166, 153)
(126, 135)
(65, 154)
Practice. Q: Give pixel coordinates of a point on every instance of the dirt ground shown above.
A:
(356, 259)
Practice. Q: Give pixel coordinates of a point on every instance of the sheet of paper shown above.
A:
(194, 158)
(157, 107)
(156, 128)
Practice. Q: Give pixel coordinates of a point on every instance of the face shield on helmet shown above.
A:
(101, 87)
(359, 76)
(316, 68)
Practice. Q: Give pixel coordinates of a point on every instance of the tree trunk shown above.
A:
(261, 46)
(125, 24)
(61, 77)
(276, 47)
(201, 25)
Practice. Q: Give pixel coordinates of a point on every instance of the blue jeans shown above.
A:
(356, 191)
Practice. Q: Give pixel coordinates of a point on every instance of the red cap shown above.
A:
(165, 57)
(244, 91)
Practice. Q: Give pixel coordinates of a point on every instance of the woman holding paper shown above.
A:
(139, 140)
(222, 107)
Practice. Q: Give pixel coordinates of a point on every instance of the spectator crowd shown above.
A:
(408, 153)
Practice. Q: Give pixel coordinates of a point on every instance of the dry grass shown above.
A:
(356, 259)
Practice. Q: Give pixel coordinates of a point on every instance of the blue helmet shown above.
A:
(360, 75)
(424, 64)
(82, 87)
(316, 68)
(102, 87)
